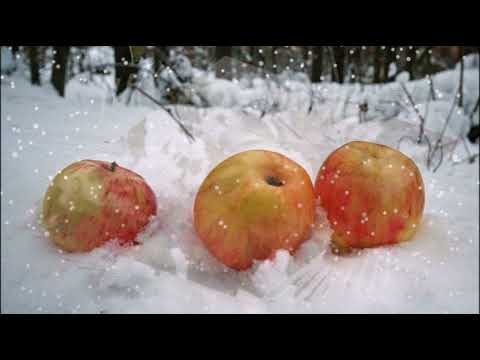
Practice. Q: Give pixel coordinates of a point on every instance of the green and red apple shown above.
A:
(253, 204)
(90, 202)
(373, 195)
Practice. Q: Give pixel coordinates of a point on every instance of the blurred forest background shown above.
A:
(342, 64)
(169, 69)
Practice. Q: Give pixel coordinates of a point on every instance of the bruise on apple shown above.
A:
(253, 204)
(91, 202)
(373, 195)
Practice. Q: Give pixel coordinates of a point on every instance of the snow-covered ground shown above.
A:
(41, 133)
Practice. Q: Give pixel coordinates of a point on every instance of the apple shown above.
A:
(90, 202)
(373, 195)
(253, 204)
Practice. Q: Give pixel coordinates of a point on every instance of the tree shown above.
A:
(59, 72)
(410, 61)
(377, 64)
(33, 57)
(460, 90)
(317, 63)
(275, 59)
(123, 58)
(354, 59)
(390, 53)
(223, 60)
(160, 55)
(306, 59)
(339, 64)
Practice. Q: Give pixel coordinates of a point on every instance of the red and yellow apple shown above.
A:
(253, 204)
(90, 202)
(373, 195)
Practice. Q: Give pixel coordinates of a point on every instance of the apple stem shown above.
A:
(113, 166)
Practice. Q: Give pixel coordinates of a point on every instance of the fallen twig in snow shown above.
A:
(179, 123)
(291, 129)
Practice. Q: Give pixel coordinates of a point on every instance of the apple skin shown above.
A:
(373, 195)
(90, 202)
(253, 204)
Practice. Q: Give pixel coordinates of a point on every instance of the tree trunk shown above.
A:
(34, 65)
(156, 67)
(305, 53)
(339, 58)
(160, 55)
(15, 51)
(306, 61)
(223, 61)
(122, 73)
(317, 63)
(428, 61)
(412, 54)
(59, 72)
(275, 59)
(256, 56)
(377, 63)
(389, 58)
(81, 67)
(460, 90)
(355, 62)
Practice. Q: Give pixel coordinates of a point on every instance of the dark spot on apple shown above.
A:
(273, 181)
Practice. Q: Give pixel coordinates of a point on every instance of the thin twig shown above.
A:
(447, 120)
(182, 127)
(332, 58)
(460, 87)
(310, 106)
(466, 146)
(438, 143)
(441, 158)
(473, 111)
(427, 141)
(432, 90)
(422, 119)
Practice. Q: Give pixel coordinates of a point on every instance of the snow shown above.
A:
(172, 272)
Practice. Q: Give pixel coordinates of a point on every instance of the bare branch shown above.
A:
(441, 158)
(422, 119)
(167, 110)
(460, 87)
(432, 89)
